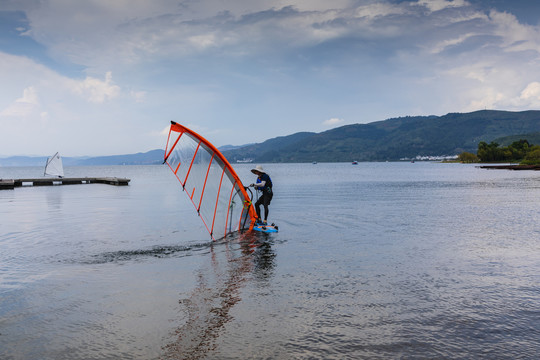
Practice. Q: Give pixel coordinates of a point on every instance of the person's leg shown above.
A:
(266, 202)
(265, 212)
(258, 207)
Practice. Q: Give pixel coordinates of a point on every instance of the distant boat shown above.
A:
(244, 161)
(314, 162)
(355, 162)
(54, 166)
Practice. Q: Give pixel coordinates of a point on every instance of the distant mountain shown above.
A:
(231, 147)
(393, 139)
(24, 161)
(147, 158)
(532, 138)
(266, 151)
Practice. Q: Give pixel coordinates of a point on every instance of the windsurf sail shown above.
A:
(209, 181)
(54, 166)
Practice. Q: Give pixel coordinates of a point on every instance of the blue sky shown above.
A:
(101, 77)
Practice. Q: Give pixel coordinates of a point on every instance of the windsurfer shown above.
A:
(264, 185)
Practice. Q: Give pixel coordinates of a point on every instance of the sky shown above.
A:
(101, 77)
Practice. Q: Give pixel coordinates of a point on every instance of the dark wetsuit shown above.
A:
(266, 196)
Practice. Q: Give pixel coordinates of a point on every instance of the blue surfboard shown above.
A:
(266, 228)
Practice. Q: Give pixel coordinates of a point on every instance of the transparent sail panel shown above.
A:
(209, 183)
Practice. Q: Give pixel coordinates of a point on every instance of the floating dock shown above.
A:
(7, 184)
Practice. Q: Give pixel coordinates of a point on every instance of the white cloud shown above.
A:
(437, 5)
(528, 98)
(531, 92)
(95, 90)
(129, 32)
(139, 96)
(163, 132)
(29, 96)
(203, 41)
(142, 32)
(443, 45)
(486, 98)
(333, 122)
(24, 106)
(375, 10)
(39, 107)
(516, 36)
(219, 65)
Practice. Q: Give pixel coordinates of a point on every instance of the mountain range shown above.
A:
(388, 140)
(394, 139)
(152, 157)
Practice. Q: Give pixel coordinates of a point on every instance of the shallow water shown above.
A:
(377, 260)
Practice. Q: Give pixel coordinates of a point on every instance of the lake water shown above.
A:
(373, 261)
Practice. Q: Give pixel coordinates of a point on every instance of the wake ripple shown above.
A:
(155, 251)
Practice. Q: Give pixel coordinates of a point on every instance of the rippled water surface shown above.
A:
(373, 261)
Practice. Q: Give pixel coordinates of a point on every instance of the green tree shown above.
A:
(533, 156)
(488, 152)
(519, 149)
(514, 152)
(467, 157)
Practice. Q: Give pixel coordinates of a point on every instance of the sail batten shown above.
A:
(205, 180)
(217, 200)
(228, 212)
(192, 160)
(209, 181)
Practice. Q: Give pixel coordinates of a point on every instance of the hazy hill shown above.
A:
(268, 150)
(147, 158)
(23, 161)
(393, 139)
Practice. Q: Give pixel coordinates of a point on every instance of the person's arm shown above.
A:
(261, 184)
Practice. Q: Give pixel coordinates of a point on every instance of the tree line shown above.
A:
(519, 152)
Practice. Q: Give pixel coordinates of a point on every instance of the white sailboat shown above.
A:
(54, 166)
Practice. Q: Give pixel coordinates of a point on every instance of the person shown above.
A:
(264, 186)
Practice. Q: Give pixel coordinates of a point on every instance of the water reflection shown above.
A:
(208, 307)
(54, 199)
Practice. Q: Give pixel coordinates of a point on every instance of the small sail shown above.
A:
(209, 181)
(54, 166)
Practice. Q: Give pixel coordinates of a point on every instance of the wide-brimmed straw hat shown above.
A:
(258, 169)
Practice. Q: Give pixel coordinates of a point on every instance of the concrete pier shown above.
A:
(7, 184)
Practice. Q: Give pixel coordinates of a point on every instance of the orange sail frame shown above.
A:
(210, 182)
